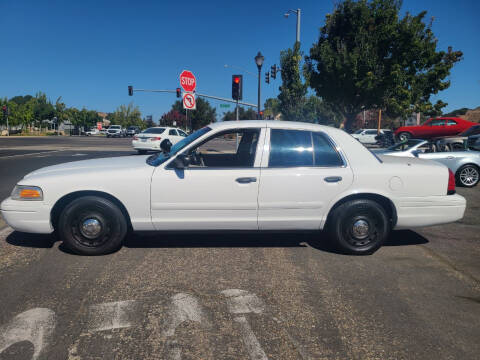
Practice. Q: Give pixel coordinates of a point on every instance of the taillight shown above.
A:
(155, 138)
(135, 137)
(451, 183)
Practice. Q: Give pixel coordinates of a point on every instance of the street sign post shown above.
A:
(188, 81)
(189, 102)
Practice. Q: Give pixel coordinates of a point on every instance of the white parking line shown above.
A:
(111, 315)
(30, 154)
(5, 232)
(243, 302)
(184, 307)
(35, 325)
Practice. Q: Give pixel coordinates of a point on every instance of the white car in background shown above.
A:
(151, 138)
(281, 176)
(92, 132)
(367, 136)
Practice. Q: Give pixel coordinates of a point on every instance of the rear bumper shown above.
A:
(27, 216)
(147, 145)
(429, 210)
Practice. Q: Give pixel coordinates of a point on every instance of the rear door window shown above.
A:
(325, 154)
(289, 148)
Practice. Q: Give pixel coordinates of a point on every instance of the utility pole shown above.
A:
(259, 61)
(236, 134)
(297, 12)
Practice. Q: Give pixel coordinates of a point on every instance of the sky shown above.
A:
(88, 52)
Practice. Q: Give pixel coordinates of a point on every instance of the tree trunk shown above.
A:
(349, 121)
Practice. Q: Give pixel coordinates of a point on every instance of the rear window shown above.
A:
(154, 131)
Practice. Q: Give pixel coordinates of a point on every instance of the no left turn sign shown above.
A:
(189, 101)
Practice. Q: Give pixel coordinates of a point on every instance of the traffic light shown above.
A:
(130, 90)
(267, 77)
(237, 85)
(261, 115)
(273, 71)
(5, 110)
(179, 92)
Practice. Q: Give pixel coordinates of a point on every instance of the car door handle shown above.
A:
(332, 179)
(246, 180)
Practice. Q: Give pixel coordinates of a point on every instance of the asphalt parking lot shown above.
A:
(233, 296)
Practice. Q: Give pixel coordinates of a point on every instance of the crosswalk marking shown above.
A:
(111, 315)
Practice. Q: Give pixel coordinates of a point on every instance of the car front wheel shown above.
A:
(359, 227)
(404, 136)
(92, 225)
(468, 175)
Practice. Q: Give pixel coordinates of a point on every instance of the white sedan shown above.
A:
(151, 138)
(247, 175)
(367, 136)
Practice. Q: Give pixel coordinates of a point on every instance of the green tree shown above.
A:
(293, 90)
(367, 56)
(271, 108)
(202, 116)
(248, 114)
(126, 115)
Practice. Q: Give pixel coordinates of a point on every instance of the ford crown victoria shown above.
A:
(280, 176)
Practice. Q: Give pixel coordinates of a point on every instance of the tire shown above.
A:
(404, 136)
(373, 226)
(82, 239)
(142, 152)
(467, 176)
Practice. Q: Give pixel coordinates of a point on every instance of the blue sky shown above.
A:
(89, 51)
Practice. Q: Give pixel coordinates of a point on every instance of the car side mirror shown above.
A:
(166, 145)
(182, 161)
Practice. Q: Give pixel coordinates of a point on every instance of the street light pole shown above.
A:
(259, 61)
(298, 12)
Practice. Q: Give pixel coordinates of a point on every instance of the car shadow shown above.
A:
(41, 241)
(285, 239)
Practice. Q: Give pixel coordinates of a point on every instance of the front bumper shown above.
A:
(27, 216)
(429, 210)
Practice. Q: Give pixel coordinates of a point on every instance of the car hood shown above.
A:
(92, 166)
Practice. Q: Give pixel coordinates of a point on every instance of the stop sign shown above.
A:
(188, 81)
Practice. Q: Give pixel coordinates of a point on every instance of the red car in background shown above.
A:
(437, 127)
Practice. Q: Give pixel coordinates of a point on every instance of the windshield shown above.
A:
(405, 145)
(359, 131)
(154, 131)
(115, 127)
(159, 158)
(474, 130)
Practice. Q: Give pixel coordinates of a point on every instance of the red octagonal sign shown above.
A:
(188, 81)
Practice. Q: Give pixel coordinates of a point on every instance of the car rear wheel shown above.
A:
(359, 227)
(468, 175)
(404, 136)
(92, 225)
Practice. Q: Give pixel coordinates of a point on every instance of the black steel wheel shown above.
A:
(359, 226)
(92, 225)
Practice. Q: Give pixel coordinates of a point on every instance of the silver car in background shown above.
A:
(465, 165)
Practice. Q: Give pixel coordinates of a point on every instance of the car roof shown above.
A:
(232, 124)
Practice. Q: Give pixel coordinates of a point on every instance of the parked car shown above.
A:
(465, 165)
(443, 126)
(92, 131)
(115, 131)
(473, 142)
(458, 142)
(103, 131)
(132, 130)
(281, 176)
(408, 148)
(151, 138)
(367, 136)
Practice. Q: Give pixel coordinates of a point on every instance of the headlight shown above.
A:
(25, 192)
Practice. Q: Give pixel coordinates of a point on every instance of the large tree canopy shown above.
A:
(368, 56)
